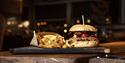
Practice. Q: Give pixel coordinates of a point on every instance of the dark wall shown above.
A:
(11, 7)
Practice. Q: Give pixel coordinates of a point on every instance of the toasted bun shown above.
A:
(81, 27)
(88, 43)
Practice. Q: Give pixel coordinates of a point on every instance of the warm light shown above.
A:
(38, 24)
(65, 30)
(26, 23)
(65, 25)
(20, 25)
(11, 21)
(107, 19)
(98, 57)
(77, 21)
(106, 55)
(88, 21)
(43, 23)
(8, 23)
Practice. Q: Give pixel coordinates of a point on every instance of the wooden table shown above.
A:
(118, 48)
(117, 54)
(6, 56)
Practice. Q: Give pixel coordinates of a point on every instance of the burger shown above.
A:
(82, 36)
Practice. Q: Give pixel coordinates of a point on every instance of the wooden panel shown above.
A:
(11, 7)
(2, 27)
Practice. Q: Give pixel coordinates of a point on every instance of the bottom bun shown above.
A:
(86, 44)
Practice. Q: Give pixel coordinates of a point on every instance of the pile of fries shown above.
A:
(50, 40)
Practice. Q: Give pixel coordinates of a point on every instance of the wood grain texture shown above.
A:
(6, 57)
(7, 53)
(117, 47)
(106, 60)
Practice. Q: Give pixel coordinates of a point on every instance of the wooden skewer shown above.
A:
(83, 19)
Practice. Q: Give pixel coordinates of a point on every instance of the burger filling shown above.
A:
(85, 36)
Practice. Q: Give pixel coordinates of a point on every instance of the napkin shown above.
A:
(34, 41)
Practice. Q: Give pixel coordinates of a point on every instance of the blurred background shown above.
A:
(18, 19)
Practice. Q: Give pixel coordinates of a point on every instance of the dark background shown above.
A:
(56, 13)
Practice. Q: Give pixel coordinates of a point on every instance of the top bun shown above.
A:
(81, 27)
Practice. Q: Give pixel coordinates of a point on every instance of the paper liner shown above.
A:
(34, 41)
